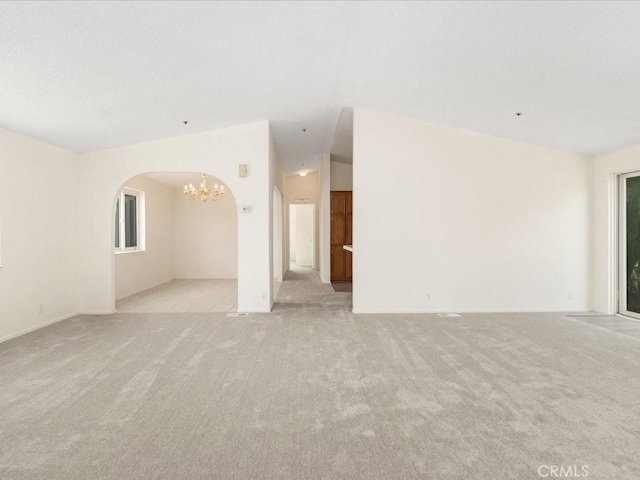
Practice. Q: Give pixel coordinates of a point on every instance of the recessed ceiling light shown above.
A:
(303, 173)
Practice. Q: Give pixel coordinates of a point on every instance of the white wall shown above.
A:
(477, 222)
(206, 236)
(218, 153)
(341, 176)
(305, 187)
(138, 271)
(38, 230)
(324, 223)
(606, 168)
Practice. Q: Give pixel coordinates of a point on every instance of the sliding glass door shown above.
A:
(629, 248)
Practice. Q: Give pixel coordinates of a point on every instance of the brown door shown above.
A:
(349, 225)
(338, 264)
(341, 234)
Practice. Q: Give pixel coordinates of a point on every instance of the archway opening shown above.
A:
(173, 253)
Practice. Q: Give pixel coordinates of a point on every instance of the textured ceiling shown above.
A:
(180, 179)
(92, 75)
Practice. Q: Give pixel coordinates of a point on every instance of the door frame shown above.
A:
(622, 245)
(347, 254)
(278, 229)
(314, 231)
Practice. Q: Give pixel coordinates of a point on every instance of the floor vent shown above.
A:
(449, 315)
(588, 315)
(236, 314)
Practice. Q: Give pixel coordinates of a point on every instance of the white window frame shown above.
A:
(140, 221)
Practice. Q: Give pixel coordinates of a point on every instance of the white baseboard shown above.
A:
(37, 327)
(204, 278)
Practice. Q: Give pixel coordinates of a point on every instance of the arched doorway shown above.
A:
(173, 253)
(217, 153)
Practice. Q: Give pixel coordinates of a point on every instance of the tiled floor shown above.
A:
(184, 296)
(624, 325)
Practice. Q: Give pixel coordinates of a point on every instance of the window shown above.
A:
(129, 221)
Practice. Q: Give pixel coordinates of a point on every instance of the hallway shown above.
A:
(302, 287)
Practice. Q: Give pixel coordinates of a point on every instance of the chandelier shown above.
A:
(204, 193)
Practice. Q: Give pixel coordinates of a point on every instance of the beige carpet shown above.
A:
(314, 392)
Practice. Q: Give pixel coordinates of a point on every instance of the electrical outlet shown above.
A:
(428, 296)
(264, 296)
(41, 308)
(570, 296)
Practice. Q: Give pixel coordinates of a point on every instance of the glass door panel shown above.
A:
(630, 244)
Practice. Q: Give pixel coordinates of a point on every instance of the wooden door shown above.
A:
(338, 263)
(349, 235)
(349, 223)
(341, 234)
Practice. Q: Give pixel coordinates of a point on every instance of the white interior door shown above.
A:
(293, 229)
(304, 234)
